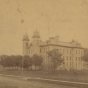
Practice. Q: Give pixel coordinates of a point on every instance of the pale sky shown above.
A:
(66, 18)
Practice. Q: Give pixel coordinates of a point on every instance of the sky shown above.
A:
(66, 18)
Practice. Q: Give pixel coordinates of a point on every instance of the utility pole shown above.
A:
(23, 60)
(22, 65)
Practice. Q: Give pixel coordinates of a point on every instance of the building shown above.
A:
(86, 51)
(72, 51)
(86, 63)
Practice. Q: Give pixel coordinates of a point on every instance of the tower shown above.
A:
(36, 38)
(35, 48)
(25, 44)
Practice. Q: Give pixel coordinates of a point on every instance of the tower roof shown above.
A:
(36, 34)
(26, 37)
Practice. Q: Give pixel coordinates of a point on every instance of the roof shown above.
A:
(63, 44)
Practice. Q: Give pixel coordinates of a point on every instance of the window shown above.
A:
(67, 51)
(60, 50)
(82, 52)
(63, 51)
(70, 51)
(70, 63)
(79, 51)
(79, 58)
(44, 50)
(76, 58)
(70, 58)
(48, 48)
(31, 51)
(76, 51)
(45, 57)
(67, 57)
(40, 50)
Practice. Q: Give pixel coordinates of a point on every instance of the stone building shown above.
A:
(72, 51)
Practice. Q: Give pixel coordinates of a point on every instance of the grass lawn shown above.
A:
(78, 76)
(6, 82)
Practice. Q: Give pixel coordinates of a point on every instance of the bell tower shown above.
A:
(26, 44)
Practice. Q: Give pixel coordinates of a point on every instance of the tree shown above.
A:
(85, 58)
(37, 60)
(15, 60)
(3, 60)
(10, 61)
(55, 58)
(27, 62)
(18, 59)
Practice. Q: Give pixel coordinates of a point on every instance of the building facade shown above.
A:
(71, 51)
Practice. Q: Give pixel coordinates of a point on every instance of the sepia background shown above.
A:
(66, 18)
